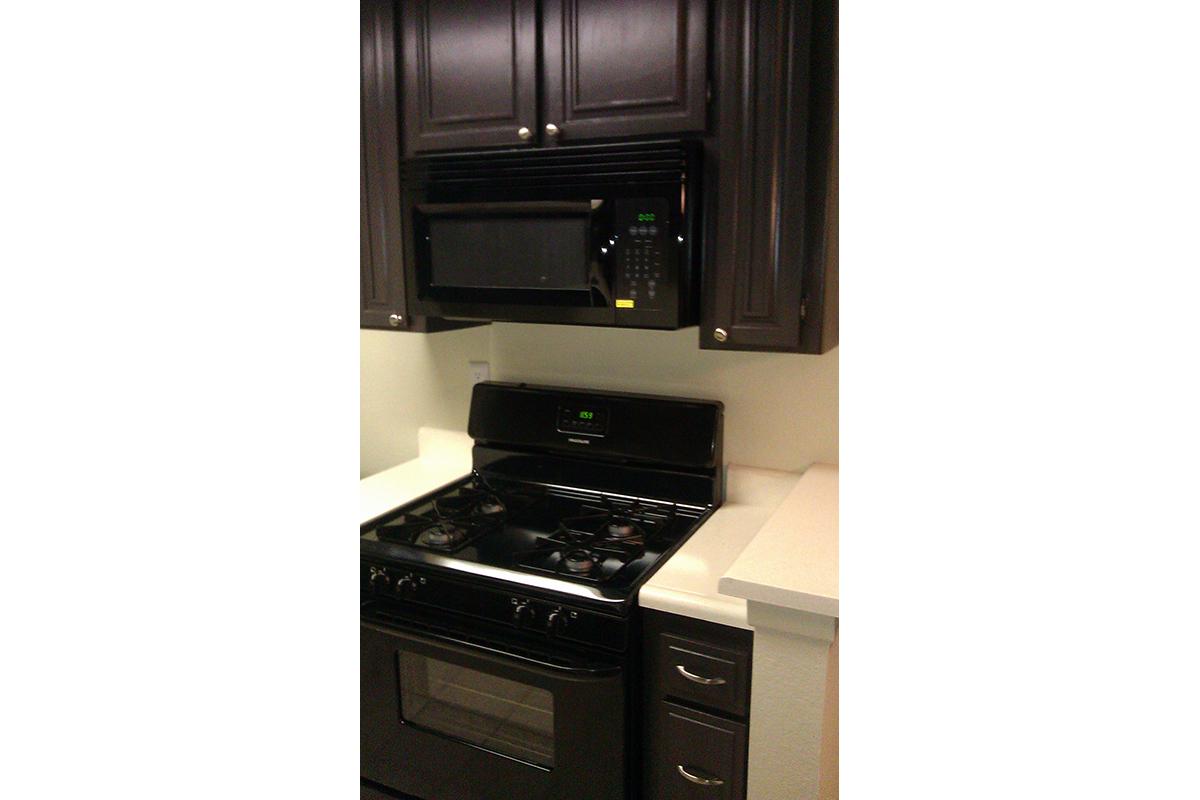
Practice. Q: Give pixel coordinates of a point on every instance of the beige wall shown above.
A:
(410, 379)
(781, 410)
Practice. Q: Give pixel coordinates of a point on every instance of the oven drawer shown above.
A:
(704, 674)
(699, 756)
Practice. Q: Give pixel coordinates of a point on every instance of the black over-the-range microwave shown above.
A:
(585, 235)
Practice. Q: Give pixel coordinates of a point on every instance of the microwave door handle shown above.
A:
(582, 208)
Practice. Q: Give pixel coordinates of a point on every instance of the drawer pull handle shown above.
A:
(697, 779)
(694, 678)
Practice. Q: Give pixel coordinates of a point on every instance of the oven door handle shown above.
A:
(582, 670)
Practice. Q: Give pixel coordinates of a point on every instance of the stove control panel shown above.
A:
(583, 419)
(532, 615)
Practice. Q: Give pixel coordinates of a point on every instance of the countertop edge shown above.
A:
(803, 531)
(822, 605)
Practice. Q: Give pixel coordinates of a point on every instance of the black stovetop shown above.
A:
(524, 531)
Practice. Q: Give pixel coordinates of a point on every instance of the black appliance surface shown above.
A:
(589, 235)
(499, 623)
(589, 545)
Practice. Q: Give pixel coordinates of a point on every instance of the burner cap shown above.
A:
(621, 529)
(579, 561)
(441, 535)
(491, 505)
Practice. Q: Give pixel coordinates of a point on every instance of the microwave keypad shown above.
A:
(642, 257)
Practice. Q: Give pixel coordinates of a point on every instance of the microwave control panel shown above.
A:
(644, 276)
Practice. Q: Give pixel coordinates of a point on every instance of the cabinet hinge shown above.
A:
(803, 307)
(708, 91)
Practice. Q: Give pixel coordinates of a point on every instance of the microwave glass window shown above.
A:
(509, 252)
(494, 713)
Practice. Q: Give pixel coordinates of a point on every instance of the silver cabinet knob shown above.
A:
(720, 335)
(395, 319)
(552, 129)
(524, 133)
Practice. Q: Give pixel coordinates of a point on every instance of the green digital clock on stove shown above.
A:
(585, 420)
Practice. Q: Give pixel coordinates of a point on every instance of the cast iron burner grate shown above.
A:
(449, 523)
(596, 545)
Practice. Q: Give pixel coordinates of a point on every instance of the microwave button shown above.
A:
(643, 230)
(653, 230)
(633, 229)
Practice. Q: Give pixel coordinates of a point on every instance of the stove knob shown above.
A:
(556, 622)
(522, 613)
(380, 580)
(406, 587)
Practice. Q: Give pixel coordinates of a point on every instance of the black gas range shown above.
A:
(500, 631)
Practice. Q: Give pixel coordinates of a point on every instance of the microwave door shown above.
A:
(507, 247)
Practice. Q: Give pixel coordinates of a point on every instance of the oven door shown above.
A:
(446, 719)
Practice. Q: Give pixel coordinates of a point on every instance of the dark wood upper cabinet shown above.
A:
(381, 265)
(382, 302)
(473, 75)
(618, 68)
(443, 75)
(470, 73)
(771, 281)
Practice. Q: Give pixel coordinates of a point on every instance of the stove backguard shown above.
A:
(615, 442)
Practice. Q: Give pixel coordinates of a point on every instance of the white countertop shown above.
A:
(687, 583)
(793, 560)
(443, 457)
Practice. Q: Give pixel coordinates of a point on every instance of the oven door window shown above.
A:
(493, 713)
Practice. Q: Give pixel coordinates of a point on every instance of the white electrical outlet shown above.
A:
(480, 371)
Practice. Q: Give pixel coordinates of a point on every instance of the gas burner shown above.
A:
(451, 522)
(623, 529)
(579, 562)
(441, 535)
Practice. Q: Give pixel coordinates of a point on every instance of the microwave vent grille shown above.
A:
(650, 162)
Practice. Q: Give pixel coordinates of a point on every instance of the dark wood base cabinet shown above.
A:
(697, 706)
(770, 279)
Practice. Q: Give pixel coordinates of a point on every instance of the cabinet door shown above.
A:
(382, 302)
(381, 265)
(615, 68)
(772, 284)
(470, 73)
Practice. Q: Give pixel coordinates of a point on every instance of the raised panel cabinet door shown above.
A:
(470, 73)
(382, 301)
(774, 259)
(623, 68)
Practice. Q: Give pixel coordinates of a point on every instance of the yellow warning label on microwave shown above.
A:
(624, 304)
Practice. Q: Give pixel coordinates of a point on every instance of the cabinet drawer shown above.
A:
(700, 757)
(704, 674)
